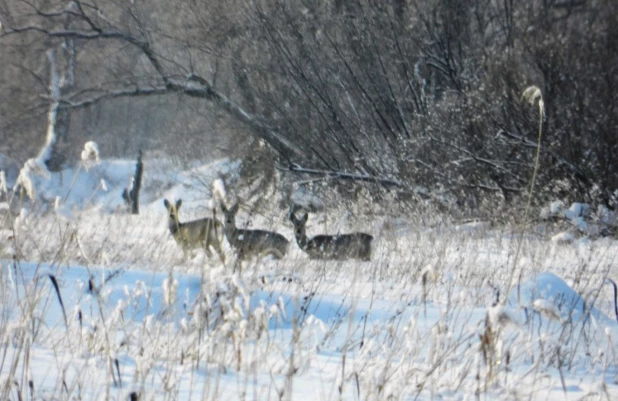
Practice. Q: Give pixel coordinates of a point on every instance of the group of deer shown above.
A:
(207, 232)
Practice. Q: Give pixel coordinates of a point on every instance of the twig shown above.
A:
(55, 284)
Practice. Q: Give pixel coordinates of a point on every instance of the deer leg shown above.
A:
(207, 251)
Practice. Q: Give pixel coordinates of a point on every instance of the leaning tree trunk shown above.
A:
(65, 80)
(131, 194)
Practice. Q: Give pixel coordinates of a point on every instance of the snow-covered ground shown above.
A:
(432, 316)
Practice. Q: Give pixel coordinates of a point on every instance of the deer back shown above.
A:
(332, 247)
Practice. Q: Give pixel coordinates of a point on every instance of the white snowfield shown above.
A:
(427, 318)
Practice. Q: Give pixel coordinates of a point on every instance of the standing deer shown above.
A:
(202, 233)
(331, 247)
(252, 242)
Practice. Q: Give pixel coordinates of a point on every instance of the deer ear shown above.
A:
(223, 208)
(304, 218)
(234, 208)
(292, 213)
(178, 203)
(166, 203)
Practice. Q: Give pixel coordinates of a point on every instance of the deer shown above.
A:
(202, 233)
(252, 242)
(331, 247)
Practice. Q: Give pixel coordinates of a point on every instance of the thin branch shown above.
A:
(341, 175)
(561, 161)
(69, 34)
(495, 164)
(114, 94)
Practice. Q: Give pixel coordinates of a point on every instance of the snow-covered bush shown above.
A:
(579, 217)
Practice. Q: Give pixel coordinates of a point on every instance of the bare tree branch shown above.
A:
(194, 86)
(341, 175)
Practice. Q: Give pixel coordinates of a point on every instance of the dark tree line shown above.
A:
(402, 93)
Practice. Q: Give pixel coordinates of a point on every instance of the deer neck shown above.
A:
(301, 240)
(230, 231)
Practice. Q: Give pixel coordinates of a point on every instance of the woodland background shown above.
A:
(397, 100)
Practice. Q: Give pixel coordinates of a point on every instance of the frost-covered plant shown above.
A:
(170, 288)
(531, 94)
(90, 154)
(27, 177)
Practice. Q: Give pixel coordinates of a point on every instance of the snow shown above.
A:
(578, 210)
(547, 308)
(551, 295)
(556, 207)
(62, 211)
(579, 217)
(307, 200)
(607, 216)
(501, 316)
(563, 237)
(407, 325)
